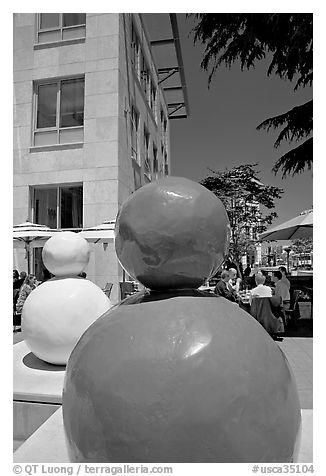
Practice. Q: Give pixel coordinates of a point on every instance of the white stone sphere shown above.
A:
(57, 313)
(66, 253)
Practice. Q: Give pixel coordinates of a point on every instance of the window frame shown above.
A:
(134, 124)
(155, 162)
(135, 48)
(147, 157)
(153, 97)
(144, 72)
(58, 188)
(60, 28)
(145, 76)
(57, 128)
(166, 163)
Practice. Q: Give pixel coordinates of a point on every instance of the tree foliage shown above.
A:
(297, 125)
(252, 37)
(242, 194)
(302, 245)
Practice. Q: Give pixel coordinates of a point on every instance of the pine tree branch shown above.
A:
(296, 160)
(298, 123)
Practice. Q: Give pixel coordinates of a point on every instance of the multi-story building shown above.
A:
(93, 100)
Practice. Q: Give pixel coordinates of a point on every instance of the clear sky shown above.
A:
(221, 130)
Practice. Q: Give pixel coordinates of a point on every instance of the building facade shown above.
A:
(91, 124)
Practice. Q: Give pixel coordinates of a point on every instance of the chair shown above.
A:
(107, 289)
(267, 311)
(292, 313)
(126, 289)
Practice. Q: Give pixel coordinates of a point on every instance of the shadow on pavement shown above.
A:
(302, 328)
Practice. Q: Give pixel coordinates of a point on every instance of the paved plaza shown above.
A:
(298, 351)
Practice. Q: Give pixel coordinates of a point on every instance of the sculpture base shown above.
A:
(47, 445)
(37, 392)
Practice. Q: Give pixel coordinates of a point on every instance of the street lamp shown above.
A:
(287, 250)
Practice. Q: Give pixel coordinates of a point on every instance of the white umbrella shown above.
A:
(299, 227)
(30, 235)
(103, 233)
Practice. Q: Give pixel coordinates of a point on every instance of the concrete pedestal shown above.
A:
(47, 444)
(37, 389)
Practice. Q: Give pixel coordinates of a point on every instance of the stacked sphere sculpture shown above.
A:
(58, 311)
(173, 374)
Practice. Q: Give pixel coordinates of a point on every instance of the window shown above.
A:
(135, 49)
(147, 162)
(166, 164)
(152, 99)
(59, 112)
(58, 206)
(161, 170)
(155, 162)
(144, 76)
(142, 70)
(54, 27)
(134, 120)
(165, 125)
(137, 178)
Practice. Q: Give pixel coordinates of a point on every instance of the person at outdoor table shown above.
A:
(18, 282)
(16, 287)
(260, 290)
(223, 287)
(15, 275)
(19, 279)
(281, 289)
(255, 270)
(247, 271)
(284, 278)
(234, 281)
(25, 290)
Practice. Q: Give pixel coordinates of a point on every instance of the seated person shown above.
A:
(268, 279)
(234, 281)
(18, 282)
(223, 287)
(247, 271)
(281, 289)
(25, 290)
(260, 290)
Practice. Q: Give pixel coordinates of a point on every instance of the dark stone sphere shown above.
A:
(181, 379)
(172, 233)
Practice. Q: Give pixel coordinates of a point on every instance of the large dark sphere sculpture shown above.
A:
(177, 375)
(173, 233)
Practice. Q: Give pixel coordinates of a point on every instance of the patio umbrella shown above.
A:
(299, 227)
(103, 233)
(29, 235)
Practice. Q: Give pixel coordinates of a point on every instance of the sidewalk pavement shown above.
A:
(299, 352)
